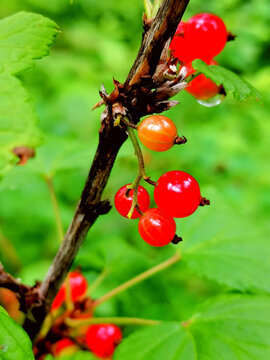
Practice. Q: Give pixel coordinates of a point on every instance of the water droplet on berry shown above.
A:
(214, 101)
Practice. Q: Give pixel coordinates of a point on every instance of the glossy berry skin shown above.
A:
(157, 132)
(181, 49)
(177, 194)
(64, 346)
(123, 203)
(102, 339)
(201, 87)
(156, 228)
(208, 35)
(78, 287)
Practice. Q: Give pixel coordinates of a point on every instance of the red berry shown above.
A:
(157, 132)
(156, 228)
(201, 87)
(78, 287)
(103, 338)
(64, 346)
(208, 35)
(181, 49)
(123, 203)
(177, 194)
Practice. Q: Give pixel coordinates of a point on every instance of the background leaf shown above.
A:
(166, 341)
(220, 245)
(231, 82)
(23, 38)
(233, 328)
(18, 120)
(14, 342)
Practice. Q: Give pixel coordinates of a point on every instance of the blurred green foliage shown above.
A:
(227, 151)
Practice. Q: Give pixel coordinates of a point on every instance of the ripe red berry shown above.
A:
(177, 194)
(157, 132)
(208, 35)
(156, 228)
(201, 87)
(64, 346)
(78, 287)
(181, 49)
(123, 203)
(103, 338)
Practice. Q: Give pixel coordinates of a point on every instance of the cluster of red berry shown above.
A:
(177, 194)
(100, 339)
(202, 37)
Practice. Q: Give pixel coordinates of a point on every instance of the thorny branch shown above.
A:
(152, 80)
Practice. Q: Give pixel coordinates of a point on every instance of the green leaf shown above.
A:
(23, 38)
(14, 342)
(231, 82)
(233, 328)
(220, 245)
(18, 120)
(168, 341)
(230, 327)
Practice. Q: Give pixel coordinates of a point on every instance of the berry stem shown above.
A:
(149, 181)
(9, 253)
(56, 209)
(110, 320)
(137, 279)
(141, 170)
(47, 325)
(68, 298)
(100, 278)
(192, 76)
(128, 123)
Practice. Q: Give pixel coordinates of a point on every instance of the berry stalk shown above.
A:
(141, 170)
(56, 209)
(137, 279)
(111, 320)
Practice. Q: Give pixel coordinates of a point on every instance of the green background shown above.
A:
(227, 152)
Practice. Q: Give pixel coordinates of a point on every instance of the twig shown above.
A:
(111, 138)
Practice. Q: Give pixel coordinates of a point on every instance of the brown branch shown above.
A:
(26, 295)
(110, 140)
(163, 27)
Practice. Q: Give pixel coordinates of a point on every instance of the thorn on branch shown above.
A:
(102, 207)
